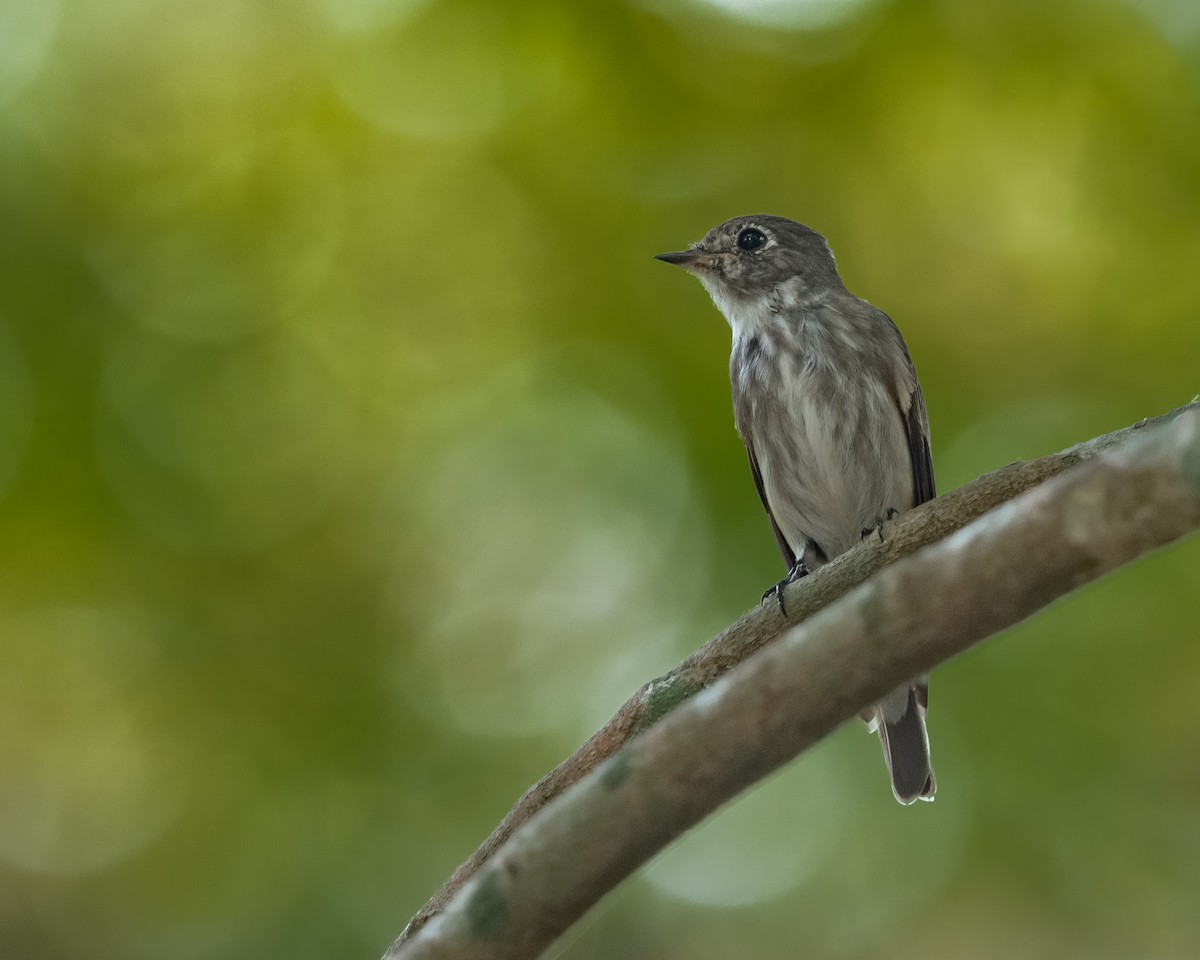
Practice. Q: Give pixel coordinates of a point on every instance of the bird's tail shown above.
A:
(900, 722)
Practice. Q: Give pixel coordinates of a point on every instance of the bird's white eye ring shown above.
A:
(751, 239)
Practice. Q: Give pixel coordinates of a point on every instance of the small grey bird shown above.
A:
(827, 402)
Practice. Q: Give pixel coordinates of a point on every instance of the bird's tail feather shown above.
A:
(906, 749)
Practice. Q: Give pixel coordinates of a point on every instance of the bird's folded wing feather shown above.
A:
(911, 404)
(916, 425)
(788, 556)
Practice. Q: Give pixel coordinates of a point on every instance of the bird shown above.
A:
(827, 402)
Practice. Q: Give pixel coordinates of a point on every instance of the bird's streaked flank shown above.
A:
(827, 402)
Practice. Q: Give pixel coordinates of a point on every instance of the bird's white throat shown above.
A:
(748, 316)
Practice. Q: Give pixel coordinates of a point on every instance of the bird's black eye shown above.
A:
(751, 239)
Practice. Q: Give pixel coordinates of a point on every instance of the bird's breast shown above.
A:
(829, 442)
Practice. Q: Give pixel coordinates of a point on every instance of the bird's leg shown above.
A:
(880, 522)
(798, 570)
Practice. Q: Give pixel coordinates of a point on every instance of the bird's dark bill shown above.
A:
(685, 258)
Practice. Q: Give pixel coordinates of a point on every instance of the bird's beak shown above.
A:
(688, 259)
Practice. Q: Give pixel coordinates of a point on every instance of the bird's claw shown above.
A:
(776, 592)
(880, 522)
(798, 570)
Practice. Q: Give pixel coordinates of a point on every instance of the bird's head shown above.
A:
(746, 259)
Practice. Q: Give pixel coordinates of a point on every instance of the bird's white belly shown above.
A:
(832, 465)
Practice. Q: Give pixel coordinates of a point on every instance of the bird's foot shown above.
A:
(798, 570)
(880, 523)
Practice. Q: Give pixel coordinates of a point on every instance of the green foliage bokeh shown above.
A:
(356, 460)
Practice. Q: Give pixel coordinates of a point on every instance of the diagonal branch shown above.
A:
(910, 617)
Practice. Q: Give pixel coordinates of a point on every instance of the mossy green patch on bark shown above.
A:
(663, 696)
(1191, 462)
(487, 910)
(615, 770)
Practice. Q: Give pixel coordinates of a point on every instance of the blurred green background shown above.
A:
(357, 460)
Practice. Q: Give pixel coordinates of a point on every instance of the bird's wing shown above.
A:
(910, 403)
(788, 557)
(916, 426)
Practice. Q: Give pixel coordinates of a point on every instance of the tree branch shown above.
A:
(908, 618)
